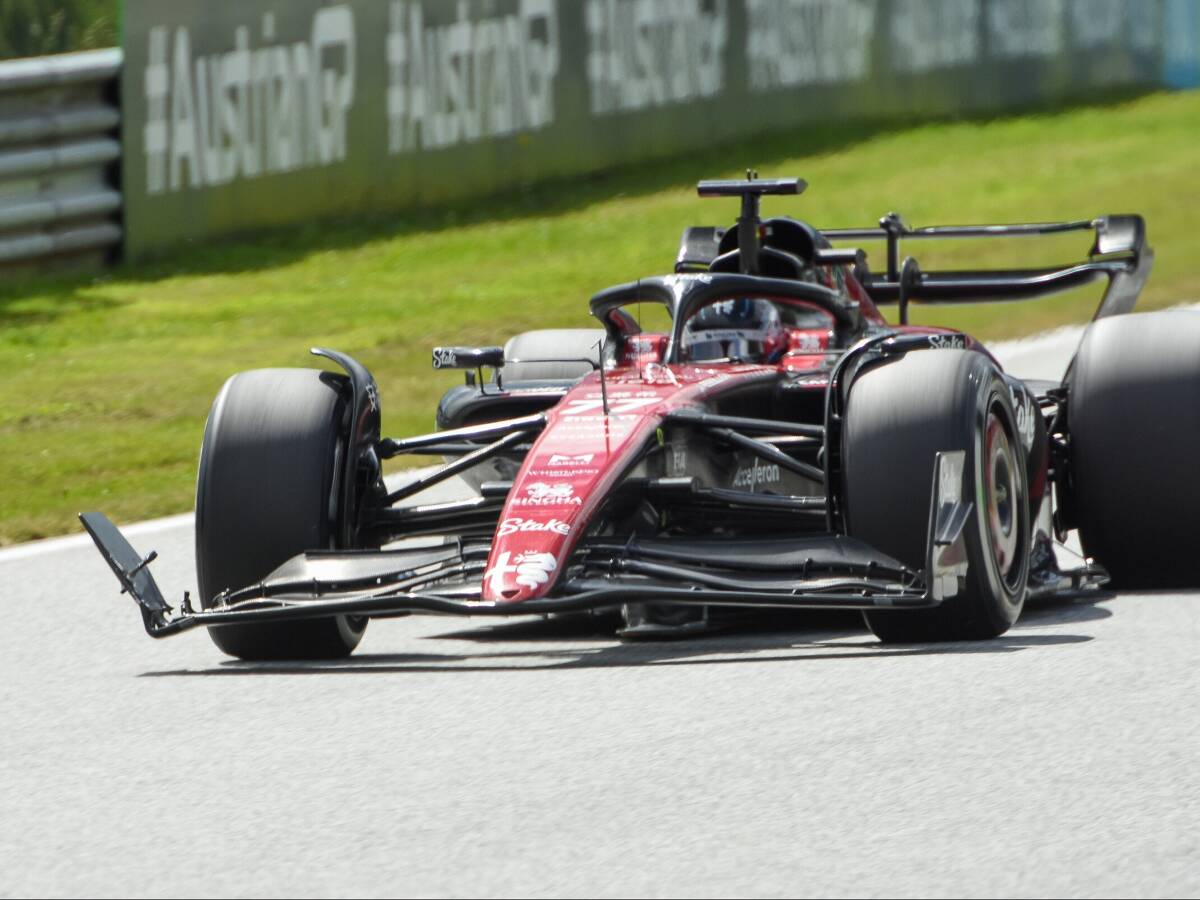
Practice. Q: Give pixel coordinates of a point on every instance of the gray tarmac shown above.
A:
(793, 756)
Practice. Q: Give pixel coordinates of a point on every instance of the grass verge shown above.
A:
(105, 382)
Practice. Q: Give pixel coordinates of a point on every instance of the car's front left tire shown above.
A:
(899, 415)
(268, 490)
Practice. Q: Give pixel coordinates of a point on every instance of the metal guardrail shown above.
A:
(60, 154)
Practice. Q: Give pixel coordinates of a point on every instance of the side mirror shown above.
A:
(1119, 234)
(467, 357)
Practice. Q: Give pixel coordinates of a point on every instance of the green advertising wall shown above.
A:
(241, 115)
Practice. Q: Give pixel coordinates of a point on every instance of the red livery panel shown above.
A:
(579, 456)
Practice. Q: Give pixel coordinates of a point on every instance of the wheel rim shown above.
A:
(1003, 494)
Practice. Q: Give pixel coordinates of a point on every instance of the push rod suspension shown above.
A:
(769, 452)
(453, 468)
(390, 447)
(761, 426)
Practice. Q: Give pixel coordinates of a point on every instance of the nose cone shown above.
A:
(583, 450)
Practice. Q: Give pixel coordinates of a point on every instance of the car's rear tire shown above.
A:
(1134, 425)
(552, 343)
(266, 491)
(899, 415)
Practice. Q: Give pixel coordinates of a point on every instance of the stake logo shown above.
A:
(532, 569)
(947, 342)
(524, 526)
(1024, 414)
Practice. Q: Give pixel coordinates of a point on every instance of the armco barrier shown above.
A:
(59, 157)
(239, 115)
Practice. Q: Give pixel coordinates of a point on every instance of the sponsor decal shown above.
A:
(950, 476)
(1024, 414)
(657, 373)
(757, 474)
(481, 76)
(936, 34)
(649, 53)
(807, 342)
(541, 493)
(947, 342)
(809, 381)
(532, 569)
(562, 459)
(1099, 22)
(679, 457)
(729, 334)
(526, 526)
(1024, 28)
(566, 466)
(444, 358)
(646, 343)
(251, 111)
(616, 407)
(803, 42)
(590, 429)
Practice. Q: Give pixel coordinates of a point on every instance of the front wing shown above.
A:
(826, 571)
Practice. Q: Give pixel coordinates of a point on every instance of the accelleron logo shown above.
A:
(757, 474)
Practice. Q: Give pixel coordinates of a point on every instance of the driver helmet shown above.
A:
(742, 330)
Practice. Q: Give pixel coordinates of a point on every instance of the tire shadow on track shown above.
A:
(1065, 610)
(587, 642)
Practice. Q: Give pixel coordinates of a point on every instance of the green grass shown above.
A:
(38, 27)
(105, 382)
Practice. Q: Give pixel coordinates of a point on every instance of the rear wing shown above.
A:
(1119, 253)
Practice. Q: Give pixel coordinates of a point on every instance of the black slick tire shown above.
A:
(1134, 425)
(899, 415)
(266, 491)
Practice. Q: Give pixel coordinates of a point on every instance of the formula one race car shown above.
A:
(778, 444)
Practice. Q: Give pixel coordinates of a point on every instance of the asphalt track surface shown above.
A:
(795, 756)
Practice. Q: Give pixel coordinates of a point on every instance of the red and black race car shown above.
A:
(777, 444)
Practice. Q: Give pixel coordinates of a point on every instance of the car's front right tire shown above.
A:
(1134, 426)
(571, 347)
